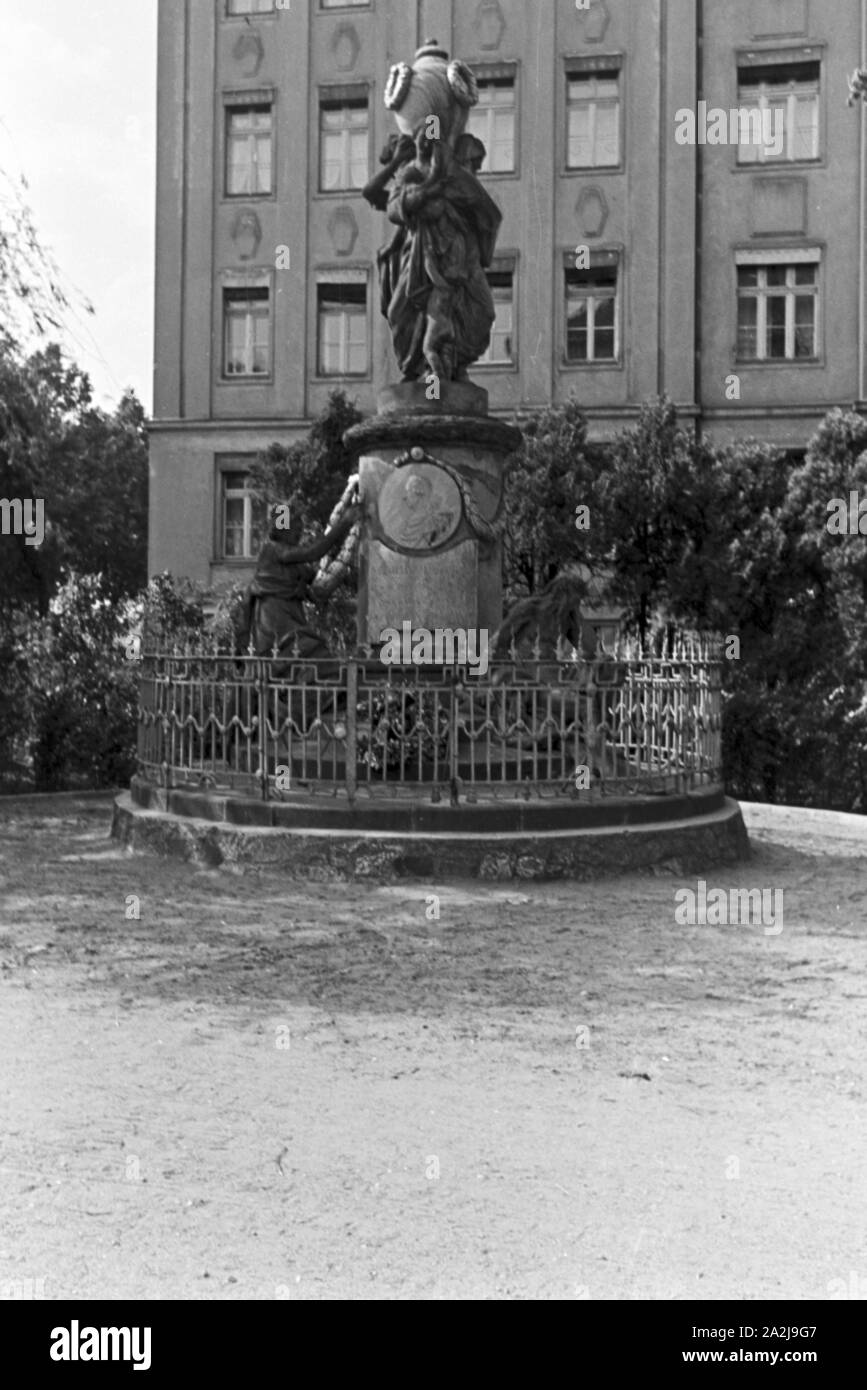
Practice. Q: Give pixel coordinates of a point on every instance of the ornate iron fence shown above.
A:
(349, 726)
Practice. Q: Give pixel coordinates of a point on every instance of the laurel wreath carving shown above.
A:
(463, 83)
(397, 86)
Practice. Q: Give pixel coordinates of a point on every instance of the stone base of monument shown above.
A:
(431, 480)
(322, 838)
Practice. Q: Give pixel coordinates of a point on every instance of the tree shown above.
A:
(310, 475)
(83, 691)
(32, 297)
(795, 726)
(651, 498)
(104, 497)
(66, 691)
(553, 473)
(88, 467)
(836, 565)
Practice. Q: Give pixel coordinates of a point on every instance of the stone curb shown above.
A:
(326, 855)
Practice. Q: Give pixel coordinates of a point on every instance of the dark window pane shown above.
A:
(576, 330)
(777, 74)
(604, 313)
(805, 337)
(747, 315)
(595, 278)
(776, 318)
(604, 343)
(342, 294)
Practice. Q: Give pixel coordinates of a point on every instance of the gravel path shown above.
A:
(264, 1089)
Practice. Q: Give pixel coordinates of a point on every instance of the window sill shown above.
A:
(570, 171)
(777, 362)
(779, 166)
(245, 381)
(615, 365)
(330, 380)
(248, 197)
(336, 193)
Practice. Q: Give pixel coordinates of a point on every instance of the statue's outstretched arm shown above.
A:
(309, 554)
(376, 192)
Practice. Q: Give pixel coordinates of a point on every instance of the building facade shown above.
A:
(722, 263)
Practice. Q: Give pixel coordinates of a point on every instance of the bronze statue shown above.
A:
(274, 617)
(434, 291)
(399, 150)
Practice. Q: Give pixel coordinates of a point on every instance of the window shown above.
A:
(249, 149)
(778, 310)
(500, 349)
(593, 119)
(242, 517)
(591, 314)
(342, 4)
(342, 322)
(246, 332)
(493, 122)
(784, 97)
(343, 144)
(250, 6)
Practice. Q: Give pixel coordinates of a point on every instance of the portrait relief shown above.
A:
(420, 507)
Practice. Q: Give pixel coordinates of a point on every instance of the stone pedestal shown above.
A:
(432, 499)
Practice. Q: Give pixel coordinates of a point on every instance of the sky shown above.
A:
(78, 120)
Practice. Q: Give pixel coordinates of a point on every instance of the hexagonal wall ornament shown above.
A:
(592, 211)
(596, 20)
(246, 234)
(343, 231)
(249, 52)
(490, 24)
(345, 46)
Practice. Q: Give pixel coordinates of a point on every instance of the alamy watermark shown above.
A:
(76, 1343)
(742, 125)
(21, 1290)
(23, 518)
(441, 646)
(854, 1288)
(847, 517)
(737, 907)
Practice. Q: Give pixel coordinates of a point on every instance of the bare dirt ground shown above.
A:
(265, 1090)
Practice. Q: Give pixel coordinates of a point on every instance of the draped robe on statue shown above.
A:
(441, 308)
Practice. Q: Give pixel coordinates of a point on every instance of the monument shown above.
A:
(431, 462)
(562, 759)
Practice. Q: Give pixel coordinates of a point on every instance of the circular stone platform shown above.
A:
(321, 838)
